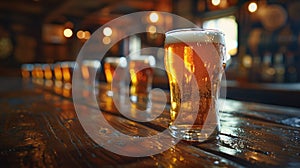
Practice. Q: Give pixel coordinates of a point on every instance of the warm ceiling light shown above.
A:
(252, 7)
(80, 34)
(153, 17)
(68, 32)
(216, 2)
(83, 34)
(106, 40)
(87, 35)
(107, 31)
(152, 29)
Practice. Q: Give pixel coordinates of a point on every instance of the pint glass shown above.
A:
(67, 69)
(194, 61)
(26, 70)
(141, 69)
(90, 69)
(115, 71)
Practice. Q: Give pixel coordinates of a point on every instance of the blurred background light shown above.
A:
(153, 17)
(252, 7)
(107, 31)
(68, 32)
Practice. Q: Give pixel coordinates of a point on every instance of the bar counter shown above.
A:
(40, 128)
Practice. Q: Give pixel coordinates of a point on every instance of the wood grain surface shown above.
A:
(39, 127)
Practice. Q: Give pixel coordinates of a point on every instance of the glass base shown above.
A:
(194, 133)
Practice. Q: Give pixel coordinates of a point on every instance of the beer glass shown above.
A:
(48, 74)
(37, 71)
(90, 68)
(141, 75)
(194, 61)
(26, 70)
(37, 74)
(67, 69)
(57, 72)
(115, 72)
(47, 69)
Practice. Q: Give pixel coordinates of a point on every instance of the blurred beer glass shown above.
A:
(90, 69)
(26, 70)
(57, 75)
(57, 72)
(37, 71)
(194, 62)
(115, 73)
(38, 74)
(47, 69)
(67, 69)
(141, 69)
(48, 74)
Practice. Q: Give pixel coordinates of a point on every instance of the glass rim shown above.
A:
(196, 34)
(195, 29)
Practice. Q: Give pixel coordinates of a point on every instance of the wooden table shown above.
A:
(39, 128)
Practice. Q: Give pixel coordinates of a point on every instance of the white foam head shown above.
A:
(194, 35)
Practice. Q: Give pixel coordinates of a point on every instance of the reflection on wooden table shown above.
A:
(40, 128)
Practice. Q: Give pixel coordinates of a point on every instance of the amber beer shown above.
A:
(26, 70)
(115, 71)
(67, 69)
(90, 71)
(141, 74)
(194, 63)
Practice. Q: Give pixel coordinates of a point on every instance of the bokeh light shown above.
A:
(68, 32)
